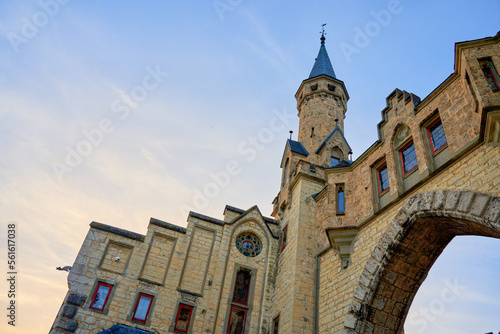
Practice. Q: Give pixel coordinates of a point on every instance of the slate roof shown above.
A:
(330, 135)
(297, 147)
(122, 329)
(322, 65)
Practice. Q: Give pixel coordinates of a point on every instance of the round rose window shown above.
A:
(248, 244)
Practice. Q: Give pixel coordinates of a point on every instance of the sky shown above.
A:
(119, 111)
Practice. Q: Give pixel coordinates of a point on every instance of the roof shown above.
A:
(122, 329)
(297, 147)
(329, 136)
(322, 65)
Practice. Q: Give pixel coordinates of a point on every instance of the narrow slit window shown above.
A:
(142, 307)
(276, 325)
(340, 200)
(436, 134)
(408, 158)
(383, 179)
(101, 296)
(284, 237)
(183, 318)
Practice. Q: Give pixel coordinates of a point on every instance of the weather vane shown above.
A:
(323, 29)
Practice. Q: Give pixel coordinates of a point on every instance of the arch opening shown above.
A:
(408, 249)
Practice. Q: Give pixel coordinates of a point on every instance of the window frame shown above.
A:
(431, 143)
(379, 184)
(181, 306)
(151, 297)
(99, 284)
(231, 315)
(248, 286)
(340, 188)
(486, 64)
(404, 147)
(284, 237)
(276, 320)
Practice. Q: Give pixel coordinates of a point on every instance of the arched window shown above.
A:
(336, 156)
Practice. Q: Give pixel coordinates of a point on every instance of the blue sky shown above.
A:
(175, 94)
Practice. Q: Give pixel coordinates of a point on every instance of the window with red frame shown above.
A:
(183, 318)
(490, 73)
(101, 296)
(408, 158)
(276, 325)
(284, 237)
(237, 319)
(436, 134)
(335, 161)
(382, 178)
(242, 287)
(142, 307)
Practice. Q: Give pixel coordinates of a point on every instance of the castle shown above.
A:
(350, 242)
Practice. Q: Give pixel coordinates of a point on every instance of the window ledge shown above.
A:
(439, 150)
(410, 172)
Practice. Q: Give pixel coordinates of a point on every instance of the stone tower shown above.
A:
(321, 102)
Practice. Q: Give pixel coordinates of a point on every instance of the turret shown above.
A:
(321, 102)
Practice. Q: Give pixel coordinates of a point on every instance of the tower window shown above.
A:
(436, 134)
(408, 158)
(142, 307)
(101, 296)
(383, 179)
(340, 199)
(312, 132)
(183, 318)
(284, 237)
(331, 88)
(314, 87)
(276, 325)
(490, 73)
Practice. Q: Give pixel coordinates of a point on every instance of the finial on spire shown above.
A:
(290, 134)
(323, 33)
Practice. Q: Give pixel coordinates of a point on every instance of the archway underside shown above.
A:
(407, 250)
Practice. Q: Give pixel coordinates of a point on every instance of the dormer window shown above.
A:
(335, 161)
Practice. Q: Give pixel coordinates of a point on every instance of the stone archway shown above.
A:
(399, 264)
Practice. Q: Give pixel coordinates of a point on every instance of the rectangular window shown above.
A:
(490, 73)
(237, 320)
(101, 296)
(408, 158)
(436, 134)
(142, 307)
(276, 325)
(284, 237)
(242, 287)
(183, 318)
(383, 179)
(340, 199)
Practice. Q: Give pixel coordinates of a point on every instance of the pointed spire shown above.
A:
(322, 65)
